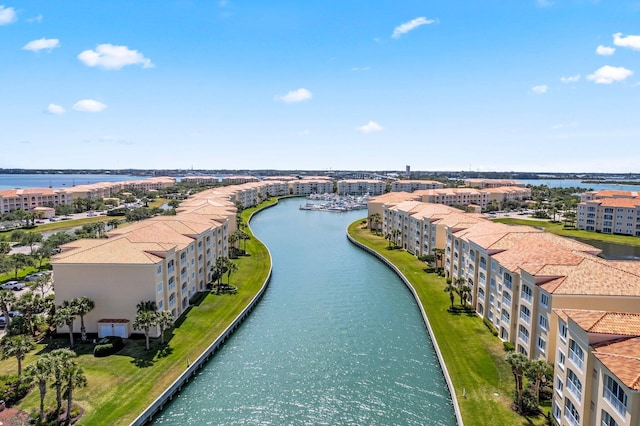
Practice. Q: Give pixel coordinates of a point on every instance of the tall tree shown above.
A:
(459, 283)
(165, 320)
(146, 305)
(144, 321)
(231, 269)
(73, 377)
(66, 315)
(60, 360)
(83, 305)
(450, 288)
(18, 347)
(5, 248)
(30, 305)
(39, 373)
(20, 261)
(538, 371)
(519, 364)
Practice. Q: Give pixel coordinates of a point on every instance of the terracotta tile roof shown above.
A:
(616, 193)
(533, 252)
(394, 197)
(622, 358)
(119, 250)
(620, 202)
(605, 322)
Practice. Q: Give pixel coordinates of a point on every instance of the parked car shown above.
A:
(12, 314)
(12, 285)
(34, 277)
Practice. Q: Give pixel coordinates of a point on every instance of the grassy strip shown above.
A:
(474, 357)
(559, 229)
(121, 386)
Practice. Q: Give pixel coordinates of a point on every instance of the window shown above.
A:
(172, 283)
(161, 305)
(506, 298)
(556, 411)
(527, 293)
(160, 287)
(576, 354)
(543, 322)
(508, 281)
(561, 359)
(523, 334)
(542, 344)
(159, 269)
(563, 330)
(544, 299)
(525, 314)
(573, 384)
(614, 394)
(505, 316)
(571, 413)
(559, 385)
(607, 420)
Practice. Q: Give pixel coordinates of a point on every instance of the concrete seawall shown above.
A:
(443, 366)
(166, 397)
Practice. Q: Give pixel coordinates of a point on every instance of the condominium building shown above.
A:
(491, 183)
(597, 370)
(610, 215)
(311, 186)
(235, 180)
(200, 179)
(361, 187)
(415, 185)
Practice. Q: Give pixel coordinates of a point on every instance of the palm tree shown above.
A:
(459, 283)
(65, 315)
(83, 305)
(7, 300)
(165, 320)
(30, 305)
(5, 248)
(20, 261)
(39, 372)
(17, 346)
(146, 305)
(144, 321)
(60, 359)
(74, 377)
(244, 237)
(450, 288)
(537, 372)
(519, 364)
(465, 292)
(231, 269)
(439, 254)
(395, 234)
(220, 268)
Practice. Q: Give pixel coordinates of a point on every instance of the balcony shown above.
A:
(576, 359)
(570, 417)
(524, 317)
(613, 400)
(526, 296)
(523, 337)
(577, 393)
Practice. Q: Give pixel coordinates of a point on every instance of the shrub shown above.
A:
(12, 389)
(107, 346)
(508, 346)
(490, 326)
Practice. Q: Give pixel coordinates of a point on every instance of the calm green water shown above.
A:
(336, 340)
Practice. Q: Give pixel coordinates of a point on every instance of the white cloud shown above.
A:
(561, 126)
(544, 3)
(89, 105)
(295, 96)
(305, 132)
(631, 41)
(540, 90)
(371, 126)
(570, 79)
(7, 15)
(360, 69)
(609, 74)
(605, 50)
(55, 109)
(41, 44)
(411, 25)
(112, 57)
(37, 19)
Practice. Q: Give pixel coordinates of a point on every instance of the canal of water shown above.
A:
(337, 339)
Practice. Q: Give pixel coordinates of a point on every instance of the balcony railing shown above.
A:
(526, 296)
(612, 399)
(569, 415)
(524, 317)
(574, 390)
(523, 337)
(576, 359)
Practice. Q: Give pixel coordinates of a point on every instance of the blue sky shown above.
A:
(503, 85)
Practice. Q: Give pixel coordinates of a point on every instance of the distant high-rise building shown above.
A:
(408, 170)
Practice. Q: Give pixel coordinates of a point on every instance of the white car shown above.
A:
(12, 285)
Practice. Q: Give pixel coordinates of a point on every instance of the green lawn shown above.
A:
(121, 386)
(559, 229)
(474, 357)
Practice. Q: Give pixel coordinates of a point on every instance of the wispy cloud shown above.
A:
(112, 57)
(540, 90)
(42, 44)
(371, 126)
(609, 74)
(295, 96)
(55, 109)
(114, 140)
(562, 126)
(411, 25)
(630, 41)
(305, 132)
(544, 3)
(605, 50)
(570, 79)
(89, 105)
(7, 15)
(360, 69)
(37, 19)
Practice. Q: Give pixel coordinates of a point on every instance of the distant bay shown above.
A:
(23, 181)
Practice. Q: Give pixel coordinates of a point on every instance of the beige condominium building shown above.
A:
(318, 185)
(361, 187)
(491, 183)
(597, 370)
(415, 185)
(166, 259)
(610, 215)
